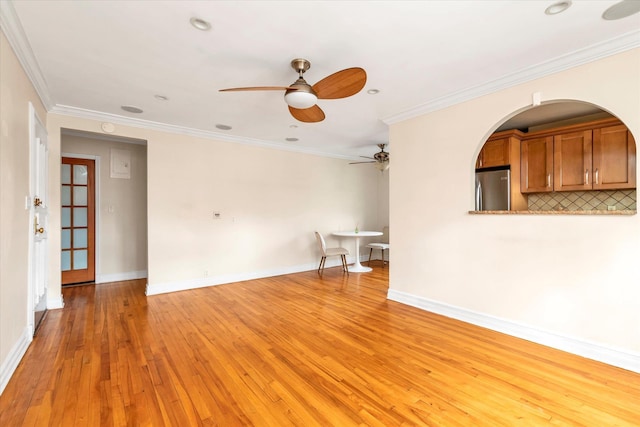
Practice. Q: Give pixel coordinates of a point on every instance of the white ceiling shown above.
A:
(89, 58)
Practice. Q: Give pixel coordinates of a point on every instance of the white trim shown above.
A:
(55, 303)
(591, 53)
(96, 185)
(120, 277)
(183, 285)
(181, 130)
(612, 356)
(12, 360)
(12, 28)
(102, 137)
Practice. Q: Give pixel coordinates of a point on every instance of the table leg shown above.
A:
(357, 267)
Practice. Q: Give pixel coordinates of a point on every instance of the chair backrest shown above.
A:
(321, 243)
(385, 234)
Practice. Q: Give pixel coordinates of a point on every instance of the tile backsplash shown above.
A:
(583, 200)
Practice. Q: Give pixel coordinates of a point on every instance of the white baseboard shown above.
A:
(611, 356)
(119, 277)
(10, 364)
(183, 285)
(55, 303)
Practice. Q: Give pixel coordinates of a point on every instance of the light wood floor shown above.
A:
(296, 350)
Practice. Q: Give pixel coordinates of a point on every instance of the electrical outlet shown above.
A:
(206, 273)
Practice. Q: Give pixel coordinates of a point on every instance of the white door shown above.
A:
(38, 229)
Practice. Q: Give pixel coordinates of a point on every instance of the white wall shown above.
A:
(270, 203)
(121, 234)
(571, 278)
(15, 224)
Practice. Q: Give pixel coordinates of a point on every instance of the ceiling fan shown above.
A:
(301, 97)
(381, 159)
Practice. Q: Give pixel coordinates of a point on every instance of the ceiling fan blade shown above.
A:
(341, 84)
(357, 163)
(238, 89)
(308, 115)
(367, 157)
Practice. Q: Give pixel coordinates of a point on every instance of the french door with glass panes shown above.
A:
(78, 220)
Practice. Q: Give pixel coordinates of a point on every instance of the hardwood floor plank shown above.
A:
(298, 350)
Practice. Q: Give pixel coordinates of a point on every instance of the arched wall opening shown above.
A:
(562, 155)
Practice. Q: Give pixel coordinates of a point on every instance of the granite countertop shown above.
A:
(621, 212)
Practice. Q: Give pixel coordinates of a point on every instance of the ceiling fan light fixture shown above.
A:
(382, 166)
(300, 99)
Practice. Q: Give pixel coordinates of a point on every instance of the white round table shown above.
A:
(357, 267)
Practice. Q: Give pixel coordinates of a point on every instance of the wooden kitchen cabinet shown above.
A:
(614, 158)
(598, 155)
(495, 152)
(536, 160)
(572, 165)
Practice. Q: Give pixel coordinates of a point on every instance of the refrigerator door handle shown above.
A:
(478, 196)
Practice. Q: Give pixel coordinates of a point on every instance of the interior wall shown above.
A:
(121, 251)
(269, 203)
(383, 199)
(573, 276)
(16, 91)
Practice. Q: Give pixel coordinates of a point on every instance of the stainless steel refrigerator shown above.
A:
(493, 189)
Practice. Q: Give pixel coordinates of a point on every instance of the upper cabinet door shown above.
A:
(494, 153)
(572, 161)
(536, 161)
(614, 158)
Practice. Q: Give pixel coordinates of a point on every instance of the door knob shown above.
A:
(36, 229)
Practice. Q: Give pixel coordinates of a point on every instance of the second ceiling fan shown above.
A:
(301, 97)
(381, 159)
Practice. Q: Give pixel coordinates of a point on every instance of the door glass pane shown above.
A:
(80, 196)
(80, 259)
(66, 195)
(80, 174)
(66, 239)
(66, 260)
(66, 217)
(80, 238)
(79, 217)
(65, 174)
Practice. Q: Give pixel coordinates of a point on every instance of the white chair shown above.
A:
(326, 252)
(383, 245)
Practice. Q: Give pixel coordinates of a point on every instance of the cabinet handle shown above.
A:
(548, 180)
(596, 175)
(586, 177)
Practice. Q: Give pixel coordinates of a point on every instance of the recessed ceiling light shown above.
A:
(621, 10)
(161, 97)
(373, 91)
(223, 127)
(293, 126)
(291, 139)
(131, 109)
(200, 24)
(558, 7)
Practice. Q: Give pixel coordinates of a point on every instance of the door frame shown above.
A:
(38, 256)
(96, 185)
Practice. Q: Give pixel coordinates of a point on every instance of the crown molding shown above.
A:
(592, 53)
(181, 130)
(10, 25)
(12, 28)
